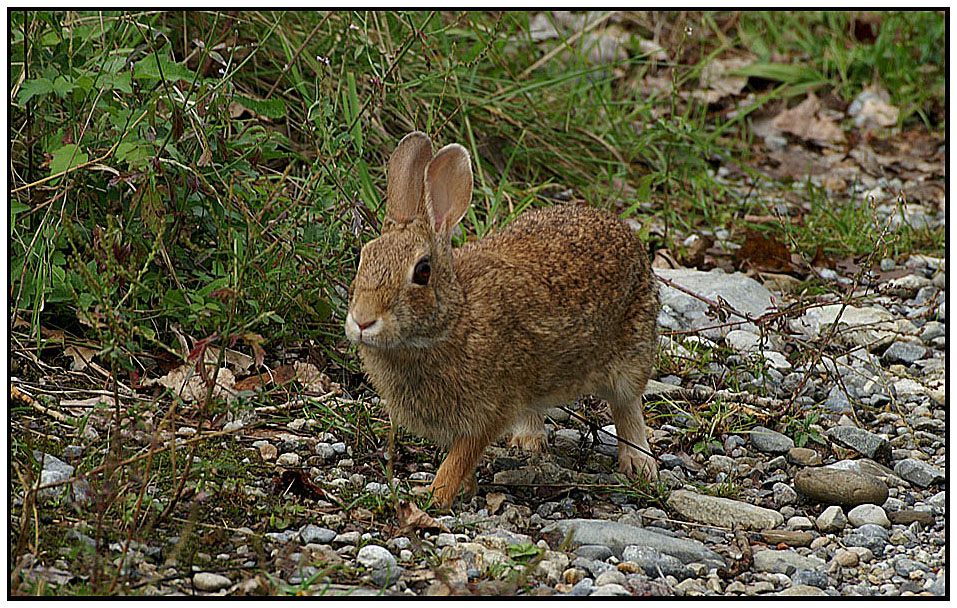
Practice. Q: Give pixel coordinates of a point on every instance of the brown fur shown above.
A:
(559, 304)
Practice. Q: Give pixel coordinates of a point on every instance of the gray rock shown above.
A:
(917, 472)
(282, 537)
(831, 520)
(375, 557)
(801, 591)
(813, 577)
(616, 536)
(785, 562)
(582, 588)
(770, 441)
(383, 577)
(871, 328)
(653, 561)
(904, 352)
(53, 471)
(903, 566)
(743, 293)
(868, 514)
(599, 552)
(783, 494)
(869, 536)
(610, 589)
(723, 511)
(315, 534)
(210, 581)
(859, 440)
(834, 486)
(805, 457)
(610, 576)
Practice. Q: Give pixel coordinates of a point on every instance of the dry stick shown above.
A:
(17, 395)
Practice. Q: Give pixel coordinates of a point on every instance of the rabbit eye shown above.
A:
(420, 276)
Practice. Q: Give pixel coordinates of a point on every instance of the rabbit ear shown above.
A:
(448, 187)
(404, 193)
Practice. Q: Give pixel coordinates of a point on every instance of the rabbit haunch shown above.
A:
(559, 304)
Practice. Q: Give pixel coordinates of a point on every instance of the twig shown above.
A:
(17, 395)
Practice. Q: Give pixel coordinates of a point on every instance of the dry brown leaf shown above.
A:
(717, 82)
(493, 501)
(82, 356)
(413, 518)
(185, 382)
(763, 253)
(807, 122)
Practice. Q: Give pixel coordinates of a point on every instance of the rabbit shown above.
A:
(463, 344)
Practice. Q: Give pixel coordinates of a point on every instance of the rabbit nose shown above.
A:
(364, 325)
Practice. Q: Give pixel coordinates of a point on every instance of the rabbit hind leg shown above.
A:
(528, 433)
(623, 395)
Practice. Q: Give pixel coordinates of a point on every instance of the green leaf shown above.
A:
(62, 87)
(38, 87)
(148, 68)
(270, 108)
(133, 152)
(16, 207)
(67, 157)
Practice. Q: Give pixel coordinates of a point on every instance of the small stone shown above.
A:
(917, 472)
(735, 587)
(315, 534)
(871, 536)
(689, 586)
(210, 581)
(802, 591)
(793, 538)
(783, 494)
(906, 517)
(834, 486)
(845, 558)
(612, 576)
(799, 522)
(785, 562)
(375, 557)
(868, 514)
(289, 459)
(572, 576)
(611, 589)
(772, 442)
(831, 520)
(597, 552)
(861, 441)
(904, 566)
(324, 451)
(805, 457)
(810, 577)
(267, 451)
(654, 563)
(904, 352)
(759, 587)
(719, 511)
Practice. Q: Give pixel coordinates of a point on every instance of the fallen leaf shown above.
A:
(413, 518)
(717, 81)
(81, 356)
(185, 382)
(806, 122)
(493, 501)
(764, 253)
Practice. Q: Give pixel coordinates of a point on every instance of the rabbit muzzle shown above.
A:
(362, 329)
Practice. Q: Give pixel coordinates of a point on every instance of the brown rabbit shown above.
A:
(464, 344)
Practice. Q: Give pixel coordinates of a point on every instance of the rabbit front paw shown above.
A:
(534, 443)
(633, 463)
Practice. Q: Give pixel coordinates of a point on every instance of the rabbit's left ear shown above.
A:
(448, 187)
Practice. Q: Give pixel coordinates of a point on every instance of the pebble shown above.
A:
(847, 559)
(805, 457)
(917, 472)
(769, 441)
(868, 514)
(375, 557)
(719, 511)
(210, 581)
(835, 486)
(832, 519)
(864, 442)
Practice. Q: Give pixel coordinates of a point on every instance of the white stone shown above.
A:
(868, 514)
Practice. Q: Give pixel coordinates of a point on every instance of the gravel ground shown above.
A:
(858, 512)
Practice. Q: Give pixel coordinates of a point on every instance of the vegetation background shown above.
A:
(184, 186)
